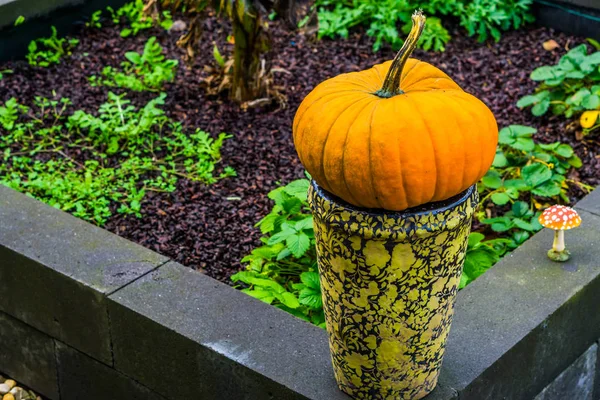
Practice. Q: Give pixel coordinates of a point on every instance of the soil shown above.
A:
(210, 228)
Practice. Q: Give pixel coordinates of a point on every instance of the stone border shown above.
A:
(86, 313)
(577, 17)
(40, 15)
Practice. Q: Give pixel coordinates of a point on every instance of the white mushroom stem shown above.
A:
(559, 240)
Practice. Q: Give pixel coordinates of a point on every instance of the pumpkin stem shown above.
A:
(391, 84)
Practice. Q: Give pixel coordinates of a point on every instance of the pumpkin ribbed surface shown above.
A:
(427, 143)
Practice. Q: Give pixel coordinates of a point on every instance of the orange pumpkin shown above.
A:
(395, 136)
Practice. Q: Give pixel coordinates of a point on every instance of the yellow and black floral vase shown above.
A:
(389, 281)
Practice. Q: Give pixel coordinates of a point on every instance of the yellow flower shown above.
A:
(589, 118)
(358, 361)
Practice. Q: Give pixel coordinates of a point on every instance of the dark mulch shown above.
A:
(197, 225)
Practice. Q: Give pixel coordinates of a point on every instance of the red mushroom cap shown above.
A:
(560, 218)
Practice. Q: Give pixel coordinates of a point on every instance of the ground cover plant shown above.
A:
(485, 19)
(151, 152)
(211, 227)
(45, 51)
(146, 71)
(568, 88)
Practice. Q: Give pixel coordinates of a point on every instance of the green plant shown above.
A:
(147, 71)
(5, 72)
(484, 18)
(434, 36)
(20, 19)
(45, 51)
(481, 255)
(283, 270)
(127, 151)
(134, 15)
(569, 87)
(523, 169)
(488, 18)
(94, 21)
(336, 18)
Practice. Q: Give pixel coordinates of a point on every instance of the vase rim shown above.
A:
(427, 208)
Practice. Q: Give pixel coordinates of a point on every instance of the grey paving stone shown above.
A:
(524, 321)
(576, 382)
(57, 269)
(82, 377)
(207, 340)
(27, 355)
(590, 203)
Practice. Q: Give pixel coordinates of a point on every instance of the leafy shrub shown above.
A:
(146, 71)
(484, 18)
(283, 271)
(134, 15)
(525, 168)
(45, 51)
(149, 153)
(488, 18)
(569, 87)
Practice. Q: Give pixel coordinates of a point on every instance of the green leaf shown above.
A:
(475, 238)
(267, 224)
(283, 254)
(499, 224)
(546, 72)
(516, 184)
(500, 198)
(311, 279)
(478, 261)
(306, 223)
(218, 57)
(288, 299)
(578, 97)
(564, 150)
(519, 208)
(285, 233)
(298, 244)
(536, 174)
(134, 57)
(261, 294)
(518, 137)
(547, 189)
(311, 298)
(519, 223)
(291, 205)
(298, 189)
(591, 102)
(540, 108)
(520, 236)
(527, 101)
(492, 179)
(500, 160)
(575, 161)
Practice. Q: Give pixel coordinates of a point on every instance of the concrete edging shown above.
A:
(82, 303)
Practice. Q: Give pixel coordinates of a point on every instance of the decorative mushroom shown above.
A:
(559, 218)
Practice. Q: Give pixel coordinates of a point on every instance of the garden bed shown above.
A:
(211, 227)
